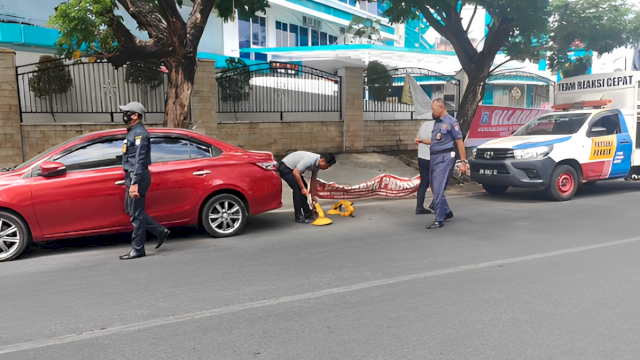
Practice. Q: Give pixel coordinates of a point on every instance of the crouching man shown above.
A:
(291, 169)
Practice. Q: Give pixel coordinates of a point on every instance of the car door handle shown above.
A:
(202, 172)
(120, 182)
(624, 142)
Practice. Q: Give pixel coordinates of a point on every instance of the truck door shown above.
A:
(611, 146)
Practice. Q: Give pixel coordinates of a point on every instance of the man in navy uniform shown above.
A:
(136, 159)
(445, 135)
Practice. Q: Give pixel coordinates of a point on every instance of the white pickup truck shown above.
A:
(590, 136)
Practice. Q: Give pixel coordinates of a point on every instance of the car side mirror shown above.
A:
(597, 131)
(52, 168)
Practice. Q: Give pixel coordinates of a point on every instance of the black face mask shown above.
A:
(436, 118)
(126, 117)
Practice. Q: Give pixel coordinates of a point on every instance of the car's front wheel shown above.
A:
(224, 215)
(14, 236)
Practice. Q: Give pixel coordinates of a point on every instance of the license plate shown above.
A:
(488, 172)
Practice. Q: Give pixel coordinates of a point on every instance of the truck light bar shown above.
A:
(582, 105)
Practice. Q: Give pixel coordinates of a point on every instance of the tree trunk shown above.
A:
(473, 95)
(182, 74)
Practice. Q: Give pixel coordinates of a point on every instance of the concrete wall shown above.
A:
(11, 150)
(39, 138)
(390, 135)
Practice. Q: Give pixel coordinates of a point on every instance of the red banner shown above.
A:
(492, 122)
(382, 185)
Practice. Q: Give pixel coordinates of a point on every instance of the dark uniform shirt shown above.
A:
(445, 132)
(136, 152)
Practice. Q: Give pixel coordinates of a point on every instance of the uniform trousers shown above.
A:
(135, 208)
(441, 165)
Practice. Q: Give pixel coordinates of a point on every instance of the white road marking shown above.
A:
(35, 344)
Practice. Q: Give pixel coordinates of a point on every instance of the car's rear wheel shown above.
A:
(494, 189)
(224, 215)
(14, 236)
(563, 184)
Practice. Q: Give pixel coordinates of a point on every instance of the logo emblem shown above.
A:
(488, 154)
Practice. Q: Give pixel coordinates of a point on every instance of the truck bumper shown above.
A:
(533, 173)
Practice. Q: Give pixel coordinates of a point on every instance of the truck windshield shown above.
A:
(554, 124)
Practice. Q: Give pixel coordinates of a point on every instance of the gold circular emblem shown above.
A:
(515, 93)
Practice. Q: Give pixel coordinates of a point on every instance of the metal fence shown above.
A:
(278, 88)
(88, 87)
(383, 91)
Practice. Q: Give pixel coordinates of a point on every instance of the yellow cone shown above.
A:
(342, 208)
(321, 220)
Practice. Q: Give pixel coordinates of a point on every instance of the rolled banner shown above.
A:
(381, 186)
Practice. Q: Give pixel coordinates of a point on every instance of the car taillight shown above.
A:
(268, 165)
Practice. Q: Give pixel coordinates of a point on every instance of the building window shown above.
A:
(290, 35)
(304, 36)
(252, 32)
(350, 2)
(333, 40)
(259, 31)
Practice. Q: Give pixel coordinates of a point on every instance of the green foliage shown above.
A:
(83, 26)
(86, 25)
(145, 73)
(602, 25)
(513, 26)
(234, 83)
(379, 80)
(51, 77)
(364, 28)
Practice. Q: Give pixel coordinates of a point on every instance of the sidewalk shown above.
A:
(352, 169)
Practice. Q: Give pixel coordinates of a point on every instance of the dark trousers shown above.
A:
(441, 166)
(423, 164)
(135, 208)
(300, 204)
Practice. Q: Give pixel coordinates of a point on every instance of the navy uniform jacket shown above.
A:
(136, 152)
(445, 132)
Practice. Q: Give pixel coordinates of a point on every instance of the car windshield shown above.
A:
(554, 124)
(40, 156)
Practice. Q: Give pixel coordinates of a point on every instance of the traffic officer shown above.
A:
(445, 135)
(291, 169)
(136, 159)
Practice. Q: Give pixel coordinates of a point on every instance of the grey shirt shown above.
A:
(424, 133)
(303, 160)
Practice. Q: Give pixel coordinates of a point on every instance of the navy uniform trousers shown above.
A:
(441, 165)
(135, 208)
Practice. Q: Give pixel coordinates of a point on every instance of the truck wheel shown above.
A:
(563, 184)
(494, 189)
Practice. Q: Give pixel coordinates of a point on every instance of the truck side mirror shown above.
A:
(597, 131)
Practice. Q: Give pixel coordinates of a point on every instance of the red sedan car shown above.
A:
(77, 188)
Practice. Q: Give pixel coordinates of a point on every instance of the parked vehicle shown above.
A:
(77, 188)
(591, 136)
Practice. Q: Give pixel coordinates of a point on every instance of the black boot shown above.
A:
(162, 237)
(133, 254)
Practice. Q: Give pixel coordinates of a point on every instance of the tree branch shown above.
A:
(171, 9)
(454, 32)
(497, 67)
(197, 20)
(472, 17)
